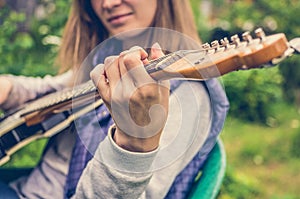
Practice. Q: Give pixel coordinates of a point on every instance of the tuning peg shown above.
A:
(236, 40)
(247, 37)
(206, 46)
(215, 44)
(225, 42)
(260, 34)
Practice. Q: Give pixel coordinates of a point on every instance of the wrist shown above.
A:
(135, 144)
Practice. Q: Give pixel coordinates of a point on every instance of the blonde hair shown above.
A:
(84, 31)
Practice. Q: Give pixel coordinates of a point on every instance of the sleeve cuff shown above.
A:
(112, 155)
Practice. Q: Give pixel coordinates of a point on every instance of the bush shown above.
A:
(239, 186)
(240, 16)
(32, 51)
(251, 93)
(291, 83)
(11, 42)
(295, 144)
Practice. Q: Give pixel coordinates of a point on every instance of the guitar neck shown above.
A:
(88, 89)
(211, 60)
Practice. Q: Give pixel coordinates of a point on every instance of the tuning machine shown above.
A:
(215, 45)
(226, 44)
(247, 37)
(208, 48)
(236, 40)
(260, 34)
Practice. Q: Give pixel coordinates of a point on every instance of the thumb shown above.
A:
(156, 51)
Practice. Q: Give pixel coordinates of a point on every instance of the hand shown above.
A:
(5, 88)
(137, 103)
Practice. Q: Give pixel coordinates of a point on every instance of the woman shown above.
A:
(121, 166)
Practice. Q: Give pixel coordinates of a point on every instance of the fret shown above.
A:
(163, 62)
(60, 96)
(89, 87)
(152, 66)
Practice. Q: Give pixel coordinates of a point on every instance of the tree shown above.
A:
(253, 93)
(30, 35)
(20, 6)
(273, 16)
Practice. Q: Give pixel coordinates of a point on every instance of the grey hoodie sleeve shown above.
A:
(115, 173)
(28, 88)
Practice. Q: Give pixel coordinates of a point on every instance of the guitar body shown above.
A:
(52, 113)
(19, 134)
(16, 132)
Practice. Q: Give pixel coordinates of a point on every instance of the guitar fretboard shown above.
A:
(89, 87)
(59, 97)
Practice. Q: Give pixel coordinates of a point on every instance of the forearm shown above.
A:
(121, 166)
(115, 173)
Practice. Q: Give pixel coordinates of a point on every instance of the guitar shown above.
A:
(52, 113)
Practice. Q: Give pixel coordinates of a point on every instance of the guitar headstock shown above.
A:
(224, 56)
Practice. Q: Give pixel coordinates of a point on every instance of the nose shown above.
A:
(109, 4)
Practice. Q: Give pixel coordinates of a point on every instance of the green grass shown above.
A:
(263, 160)
(27, 156)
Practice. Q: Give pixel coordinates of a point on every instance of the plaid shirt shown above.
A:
(184, 181)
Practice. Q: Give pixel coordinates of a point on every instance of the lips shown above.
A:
(118, 17)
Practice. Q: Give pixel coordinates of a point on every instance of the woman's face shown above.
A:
(124, 15)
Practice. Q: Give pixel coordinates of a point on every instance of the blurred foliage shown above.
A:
(295, 143)
(28, 156)
(273, 16)
(10, 41)
(239, 186)
(291, 85)
(31, 52)
(251, 94)
(263, 161)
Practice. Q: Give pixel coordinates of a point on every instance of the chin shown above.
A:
(129, 33)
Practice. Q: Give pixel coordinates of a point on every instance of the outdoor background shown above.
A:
(262, 132)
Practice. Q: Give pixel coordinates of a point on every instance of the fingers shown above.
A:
(116, 67)
(137, 103)
(112, 70)
(131, 61)
(156, 51)
(127, 68)
(134, 61)
(134, 57)
(99, 78)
